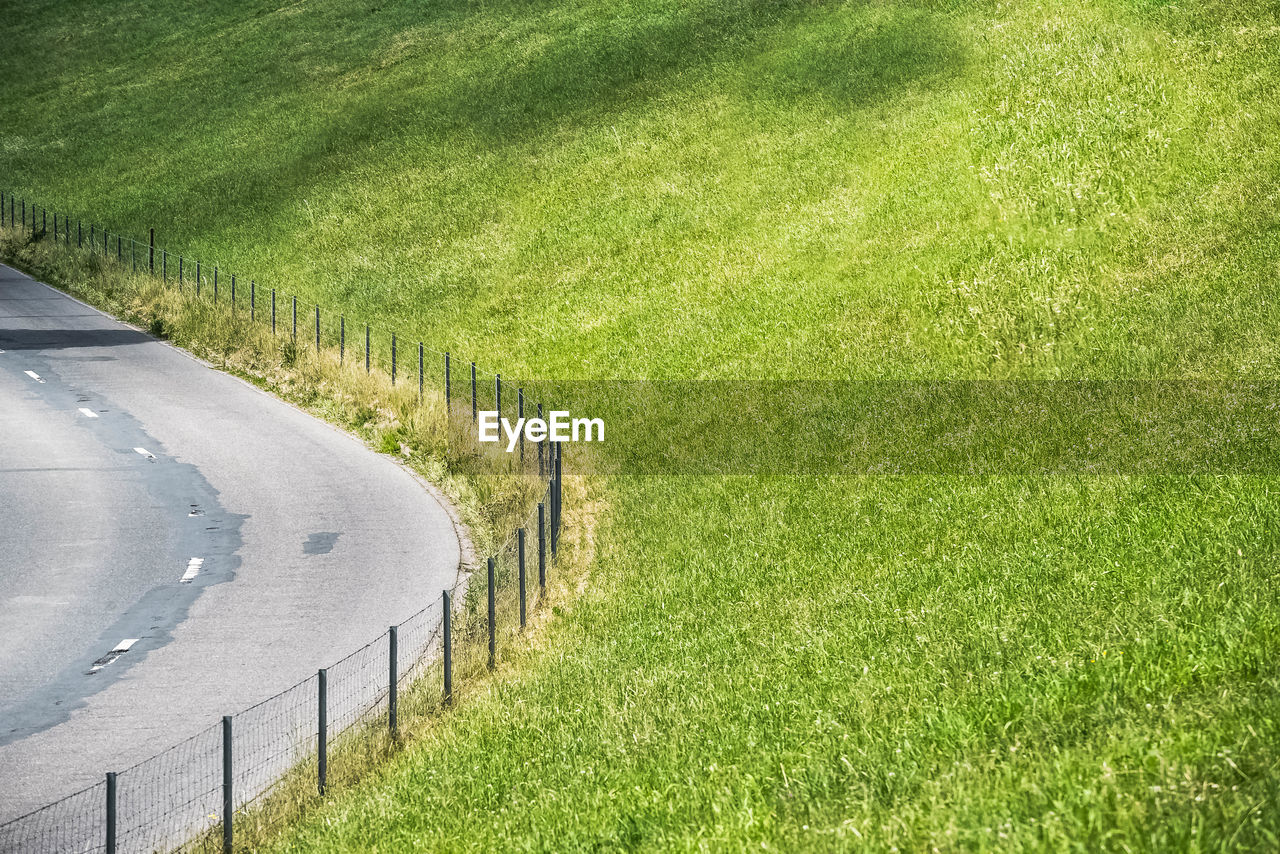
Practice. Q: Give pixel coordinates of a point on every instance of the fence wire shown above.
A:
(73, 825)
(170, 797)
(271, 738)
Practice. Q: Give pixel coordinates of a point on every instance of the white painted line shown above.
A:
(34, 376)
(145, 453)
(88, 413)
(193, 568)
(116, 651)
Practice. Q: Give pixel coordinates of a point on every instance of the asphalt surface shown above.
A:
(125, 465)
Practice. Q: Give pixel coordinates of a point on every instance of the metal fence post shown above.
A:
(111, 812)
(447, 629)
(79, 228)
(542, 549)
(182, 277)
(342, 340)
(393, 358)
(519, 418)
(228, 801)
(551, 466)
(317, 328)
(520, 549)
(295, 320)
(2, 222)
(391, 682)
(366, 348)
(475, 411)
(253, 300)
(448, 401)
(119, 248)
(419, 373)
(493, 613)
(322, 738)
(497, 394)
(151, 257)
(55, 224)
(557, 453)
(273, 311)
(233, 287)
(541, 446)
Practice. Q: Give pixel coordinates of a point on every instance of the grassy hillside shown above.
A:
(759, 190)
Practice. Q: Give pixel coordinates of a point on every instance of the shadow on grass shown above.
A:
(521, 73)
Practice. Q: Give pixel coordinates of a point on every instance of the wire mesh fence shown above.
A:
(193, 795)
(273, 737)
(76, 823)
(164, 800)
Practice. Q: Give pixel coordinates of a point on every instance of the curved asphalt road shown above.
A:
(121, 460)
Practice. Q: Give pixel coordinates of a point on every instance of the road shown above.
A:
(175, 545)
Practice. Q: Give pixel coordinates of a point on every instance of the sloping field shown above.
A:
(770, 191)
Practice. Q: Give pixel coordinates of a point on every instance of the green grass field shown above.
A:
(769, 190)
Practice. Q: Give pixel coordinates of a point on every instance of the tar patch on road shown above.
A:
(319, 543)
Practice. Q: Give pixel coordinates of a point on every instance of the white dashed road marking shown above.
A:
(116, 651)
(193, 567)
(88, 413)
(34, 376)
(145, 453)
